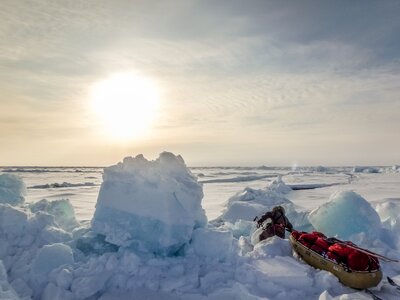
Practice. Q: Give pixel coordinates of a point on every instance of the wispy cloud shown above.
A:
(230, 70)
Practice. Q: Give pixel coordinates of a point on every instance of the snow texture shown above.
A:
(219, 243)
(6, 290)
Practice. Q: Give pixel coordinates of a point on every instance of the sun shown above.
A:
(125, 104)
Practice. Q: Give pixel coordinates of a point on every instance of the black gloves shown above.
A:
(259, 223)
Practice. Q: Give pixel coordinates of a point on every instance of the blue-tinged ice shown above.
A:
(92, 243)
(346, 214)
(12, 189)
(62, 211)
(152, 206)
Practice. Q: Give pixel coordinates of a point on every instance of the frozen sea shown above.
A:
(81, 184)
(218, 263)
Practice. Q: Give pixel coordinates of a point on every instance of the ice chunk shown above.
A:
(346, 213)
(40, 220)
(44, 225)
(12, 220)
(252, 202)
(212, 243)
(240, 227)
(151, 205)
(12, 189)
(49, 258)
(51, 234)
(279, 186)
(243, 211)
(246, 205)
(61, 210)
(389, 211)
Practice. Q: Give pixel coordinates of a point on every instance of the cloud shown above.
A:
(230, 70)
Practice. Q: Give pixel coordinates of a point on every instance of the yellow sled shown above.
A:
(353, 279)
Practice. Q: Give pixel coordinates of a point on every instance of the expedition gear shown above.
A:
(277, 225)
(352, 265)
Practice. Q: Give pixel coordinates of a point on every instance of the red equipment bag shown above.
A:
(358, 261)
(340, 250)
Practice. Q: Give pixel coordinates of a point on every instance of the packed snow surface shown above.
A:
(149, 237)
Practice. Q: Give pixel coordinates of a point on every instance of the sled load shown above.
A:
(354, 266)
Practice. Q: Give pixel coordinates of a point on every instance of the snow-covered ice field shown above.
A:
(164, 231)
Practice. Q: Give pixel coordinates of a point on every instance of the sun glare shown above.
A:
(125, 104)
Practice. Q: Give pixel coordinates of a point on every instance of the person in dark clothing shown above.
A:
(279, 222)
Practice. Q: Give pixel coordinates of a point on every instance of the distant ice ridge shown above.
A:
(52, 170)
(238, 179)
(365, 170)
(149, 205)
(61, 185)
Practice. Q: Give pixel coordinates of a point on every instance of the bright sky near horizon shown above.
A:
(230, 82)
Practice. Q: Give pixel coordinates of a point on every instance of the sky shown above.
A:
(241, 83)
